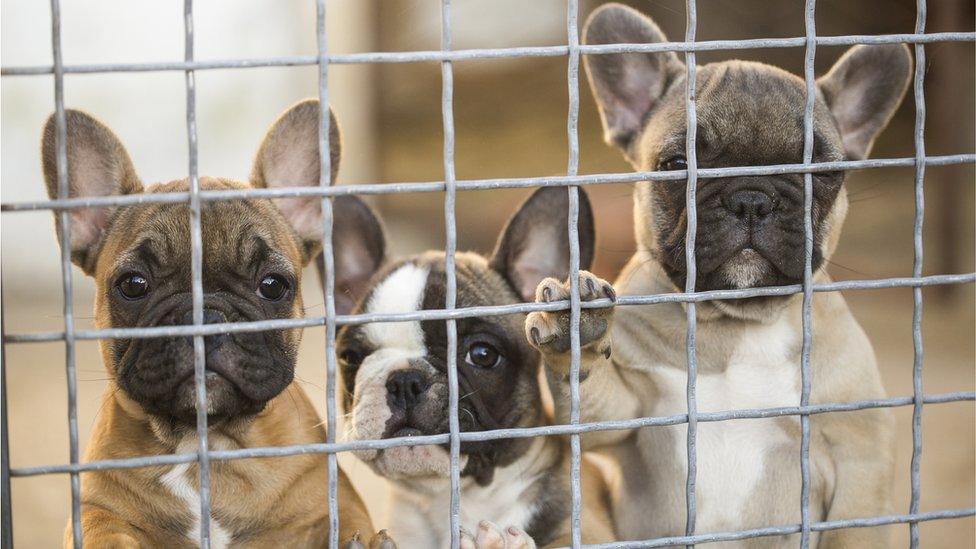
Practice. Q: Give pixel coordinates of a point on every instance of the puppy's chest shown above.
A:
(761, 371)
(501, 502)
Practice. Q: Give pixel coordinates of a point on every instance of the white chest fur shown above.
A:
(421, 517)
(177, 481)
(761, 371)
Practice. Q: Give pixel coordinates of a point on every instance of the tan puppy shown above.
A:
(253, 254)
(750, 234)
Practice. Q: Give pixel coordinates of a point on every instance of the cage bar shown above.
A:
(809, 79)
(918, 86)
(64, 225)
(691, 268)
(490, 53)
(450, 293)
(325, 191)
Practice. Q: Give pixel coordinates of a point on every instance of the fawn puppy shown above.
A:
(750, 234)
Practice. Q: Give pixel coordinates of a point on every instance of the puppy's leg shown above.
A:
(102, 528)
(549, 331)
(605, 395)
(862, 450)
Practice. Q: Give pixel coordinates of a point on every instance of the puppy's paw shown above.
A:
(548, 331)
(379, 540)
(490, 536)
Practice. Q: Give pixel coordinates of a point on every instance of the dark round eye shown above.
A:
(133, 286)
(482, 355)
(272, 288)
(674, 163)
(350, 357)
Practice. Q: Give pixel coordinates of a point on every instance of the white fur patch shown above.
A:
(401, 292)
(761, 372)
(745, 269)
(177, 482)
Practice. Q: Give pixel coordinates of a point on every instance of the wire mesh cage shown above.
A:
(446, 56)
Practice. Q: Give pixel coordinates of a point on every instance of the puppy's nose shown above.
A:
(210, 316)
(749, 203)
(405, 387)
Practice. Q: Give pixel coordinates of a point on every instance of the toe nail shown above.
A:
(611, 293)
(513, 531)
(547, 294)
(590, 286)
(606, 352)
(534, 334)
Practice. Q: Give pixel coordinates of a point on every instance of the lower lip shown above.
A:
(407, 432)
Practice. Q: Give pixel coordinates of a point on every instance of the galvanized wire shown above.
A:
(919, 89)
(489, 53)
(807, 306)
(691, 269)
(63, 204)
(450, 292)
(572, 167)
(328, 275)
(64, 225)
(196, 275)
(489, 310)
(483, 184)
(494, 434)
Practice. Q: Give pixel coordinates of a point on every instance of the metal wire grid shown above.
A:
(446, 56)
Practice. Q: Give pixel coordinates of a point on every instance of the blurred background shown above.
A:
(510, 118)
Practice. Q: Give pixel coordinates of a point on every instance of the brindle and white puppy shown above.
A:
(750, 234)
(253, 254)
(395, 375)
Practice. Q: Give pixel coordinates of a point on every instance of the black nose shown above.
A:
(405, 387)
(749, 203)
(210, 316)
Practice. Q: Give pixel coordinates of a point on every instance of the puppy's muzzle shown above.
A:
(750, 203)
(405, 388)
(210, 316)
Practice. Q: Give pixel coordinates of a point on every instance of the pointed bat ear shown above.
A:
(626, 85)
(863, 89)
(535, 242)
(289, 157)
(98, 165)
(359, 245)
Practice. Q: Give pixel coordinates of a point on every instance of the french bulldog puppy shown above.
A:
(750, 234)
(253, 254)
(515, 493)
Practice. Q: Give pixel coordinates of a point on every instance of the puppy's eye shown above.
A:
(272, 288)
(350, 357)
(133, 286)
(674, 163)
(482, 355)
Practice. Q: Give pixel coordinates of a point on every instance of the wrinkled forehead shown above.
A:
(235, 235)
(749, 112)
(420, 284)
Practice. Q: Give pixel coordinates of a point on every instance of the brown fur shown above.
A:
(259, 502)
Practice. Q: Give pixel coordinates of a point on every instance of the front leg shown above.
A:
(102, 528)
(862, 449)
(604, 394)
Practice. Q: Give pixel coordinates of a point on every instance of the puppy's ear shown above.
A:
(289, 157)
(98, 165)
(626, 85)
(359, 245)
(863, 89)
(535, 243)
